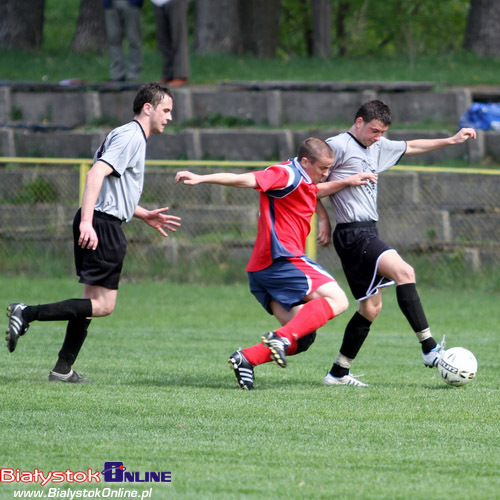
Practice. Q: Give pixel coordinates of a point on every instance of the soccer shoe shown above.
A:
(17, 325)
(345, 380)
(431, 359)
(71, 377)
(278, 347)
(243, 370)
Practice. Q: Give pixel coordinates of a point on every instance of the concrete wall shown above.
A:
(48, 120)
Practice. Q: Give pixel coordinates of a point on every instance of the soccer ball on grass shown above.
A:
(457, 366)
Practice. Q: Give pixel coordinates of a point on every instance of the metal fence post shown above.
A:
(311, 247)
(84, 168)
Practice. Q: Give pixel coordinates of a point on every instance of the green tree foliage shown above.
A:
(369, 27)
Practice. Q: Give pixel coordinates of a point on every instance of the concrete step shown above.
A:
(42, 119)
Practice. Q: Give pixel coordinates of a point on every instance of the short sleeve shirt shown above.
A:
(287, 203)
(124, 150)
(359, 203)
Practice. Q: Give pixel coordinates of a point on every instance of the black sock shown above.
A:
(355, 334)
(76, 332)
(59, 311)
(411, 307)
(428, 345)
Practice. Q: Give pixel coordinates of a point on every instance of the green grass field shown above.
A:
(164, 399)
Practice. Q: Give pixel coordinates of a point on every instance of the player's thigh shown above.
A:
(103, 299)
(391, 265)
(283, 315)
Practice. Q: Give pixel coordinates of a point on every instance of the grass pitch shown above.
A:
(164, 399)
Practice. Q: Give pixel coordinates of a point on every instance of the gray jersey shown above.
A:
(359, 203)
(124, 150)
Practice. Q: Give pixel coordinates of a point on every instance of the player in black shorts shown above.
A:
(110, 197)
(369, 263)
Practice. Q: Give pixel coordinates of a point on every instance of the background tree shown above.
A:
(217, 27)
(237, 26)
(90, 33)
(482, 35)
(21, 24)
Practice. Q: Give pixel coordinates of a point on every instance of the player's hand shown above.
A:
(463, 135)
(363, 178)
(324, 232)
(187, 177)
(158, 220)
(88, 236)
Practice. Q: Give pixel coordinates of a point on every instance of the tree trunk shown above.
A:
(259, 25)
(322, 28)
(217, 27)
(90, 33)
(237, 26)
(482, 34)
(340, 28)
(21, 24)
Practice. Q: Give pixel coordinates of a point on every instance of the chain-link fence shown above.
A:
(445, 223)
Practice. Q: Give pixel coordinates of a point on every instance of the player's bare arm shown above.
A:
(246, 180)
(324, 226)
(95, 176)
(330, 187)
(158, 220)
(419, 146)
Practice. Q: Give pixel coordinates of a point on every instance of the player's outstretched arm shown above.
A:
(158, 220)
(224, 179)
(330, 187)
(419, 146)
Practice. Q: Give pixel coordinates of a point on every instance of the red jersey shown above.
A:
(287, 203)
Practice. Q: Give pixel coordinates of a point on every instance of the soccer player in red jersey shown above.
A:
(301, 294)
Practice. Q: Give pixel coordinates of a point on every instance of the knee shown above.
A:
(305, 342)
(406, 275)
(100, 310)
(107, 310)
(370, 311)
(339, 303)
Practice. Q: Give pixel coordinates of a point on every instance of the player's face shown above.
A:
(318, 170)
(161, 115)
(368, 133)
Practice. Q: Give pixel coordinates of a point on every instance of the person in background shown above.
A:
(123, 19)
(111, 196)
(172, 39)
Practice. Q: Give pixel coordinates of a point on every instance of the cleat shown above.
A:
(278, 347)
(243, 370)
(345, 380)
(431, 359)
(17, 324)
(71, 377)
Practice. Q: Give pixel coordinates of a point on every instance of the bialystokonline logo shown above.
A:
(116, 472)
(113, 472)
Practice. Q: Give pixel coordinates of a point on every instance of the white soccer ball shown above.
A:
(457, 366)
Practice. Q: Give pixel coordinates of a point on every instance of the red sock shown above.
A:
(312, 315)
(257, 354)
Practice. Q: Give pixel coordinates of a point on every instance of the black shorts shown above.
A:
(359, 248)
(102, 266)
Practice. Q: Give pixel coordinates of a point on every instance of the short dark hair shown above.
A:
(374, 110)
(152, 93)
(314, 149)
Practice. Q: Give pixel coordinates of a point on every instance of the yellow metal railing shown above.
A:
(85, 164)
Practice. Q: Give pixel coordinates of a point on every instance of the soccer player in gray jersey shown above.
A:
(111, 196)
(368, 262)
